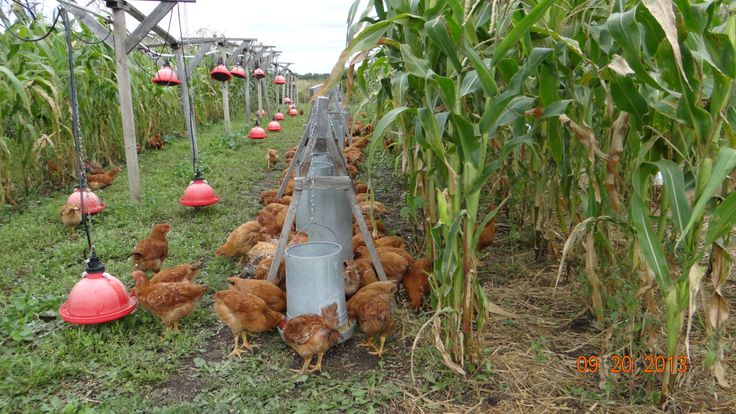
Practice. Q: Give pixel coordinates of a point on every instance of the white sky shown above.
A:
(311, 34)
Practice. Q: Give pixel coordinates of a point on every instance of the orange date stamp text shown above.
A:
(626, 364)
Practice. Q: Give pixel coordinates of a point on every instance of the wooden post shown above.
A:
(225, 96)
(126, 103)
(259, 87)
(186, 105)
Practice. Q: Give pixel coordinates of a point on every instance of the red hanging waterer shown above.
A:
(166, 76)
(199, 193)
(92, 203)
(98, 297)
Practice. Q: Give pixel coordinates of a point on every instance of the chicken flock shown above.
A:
(252, 304)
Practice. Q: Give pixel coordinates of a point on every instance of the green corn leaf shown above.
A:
(486, 80)
(470, 144)
(447, 91)
(674, 185)
(555, 109)
(432, 130)
(627, 98)
(521, 29)
(725, 163)
(414, 65)
(723, 220)
(399, 86)
(650, 247)
(625, 31)
(438, 33)
(470, 84)
(698, 118)
(502, 111)
(16, 83)
(387, 120)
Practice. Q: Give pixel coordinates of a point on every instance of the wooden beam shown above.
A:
(126, 103)
(203, 49)
(235, 53)
(138, 15)
(147, 24)
(100, 31)
(246, 93)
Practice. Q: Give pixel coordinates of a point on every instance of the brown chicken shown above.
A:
(156, 142)
(241, 240)
(272, 218)
(375, 208)
(351, 278)
(416, 282)
(395, 261)
(180, 273)
(361, 142)
(352, 171)
(168, 301)
(93, 167)
(290, 153)
(365, 269)
(98, 181)
(150, 253)
(360, 188)
(487, 235)
(244, 312)
(272, 157)
(353, 155)
(71, 216)
(371, 306)
(312, 334)
(378, 224)
(264, 266)
(268, 197)
(274, 297)
(385, 241)
(261, 250)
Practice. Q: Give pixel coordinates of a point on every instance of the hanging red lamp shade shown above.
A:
(166, 76)
(98, 297)
(287, 100)
(293, 111)
(274, 126)
(238, 72)
(278, 116)
(279, 80)
(258, 73)
(92, 203)
(257, 132)
(220, 73)
(199, 193)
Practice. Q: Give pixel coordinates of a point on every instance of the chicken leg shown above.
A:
(236, 350)
(380, 350)
(247, 345)
(304, 366)
(318, 366)
(368, 343)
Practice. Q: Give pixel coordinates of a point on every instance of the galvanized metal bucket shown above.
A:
(329, 209)
(314, 279)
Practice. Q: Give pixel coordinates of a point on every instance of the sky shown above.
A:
(311, 34)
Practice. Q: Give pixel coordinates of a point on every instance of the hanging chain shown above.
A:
(191, 123)
(75, 126)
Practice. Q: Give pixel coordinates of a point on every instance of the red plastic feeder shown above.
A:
(199, 193)
(166, 76)
(220, 73)
(293, 111)
(258, 73)
(238, 72)
(279, 80)
(92, 203)
(260, 112)
(274, 126)
(287, 100)
(257, 132)
(278, 116)
(98, 297)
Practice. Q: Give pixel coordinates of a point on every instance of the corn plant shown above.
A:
(570, 109)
